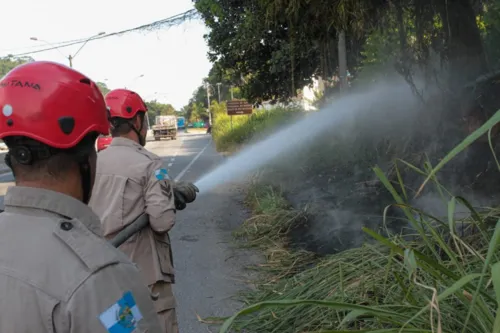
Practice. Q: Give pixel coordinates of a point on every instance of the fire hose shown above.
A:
(137, 225)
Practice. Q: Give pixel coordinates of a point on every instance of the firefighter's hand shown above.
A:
(184, 193)
(187, 190)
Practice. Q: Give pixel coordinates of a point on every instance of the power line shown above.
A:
(168, 22)
(38, 46)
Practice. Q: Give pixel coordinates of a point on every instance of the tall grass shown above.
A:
(441, 278)
(268, 230)
(244, 128)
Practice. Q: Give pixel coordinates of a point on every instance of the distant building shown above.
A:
(309, 94)
(305, 99)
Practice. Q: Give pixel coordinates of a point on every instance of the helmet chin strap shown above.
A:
(142, 139)
(86, 179)
(83, 161)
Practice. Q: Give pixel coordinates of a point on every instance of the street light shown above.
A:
(157, 94)
(70, 57)
(44, 41)
(135, 79)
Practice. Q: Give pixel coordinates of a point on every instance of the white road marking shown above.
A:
(179, 176)
(172, 158)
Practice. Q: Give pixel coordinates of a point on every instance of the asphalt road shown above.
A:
(210, 271)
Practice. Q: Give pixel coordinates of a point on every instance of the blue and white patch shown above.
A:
(123, 316)
(161, 174)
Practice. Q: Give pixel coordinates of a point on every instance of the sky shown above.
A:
(172, 61)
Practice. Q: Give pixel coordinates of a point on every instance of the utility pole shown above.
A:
(218, 90)
(207, 86)
(70, 57)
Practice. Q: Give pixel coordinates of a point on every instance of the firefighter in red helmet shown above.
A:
(56, 272)
(130, 182)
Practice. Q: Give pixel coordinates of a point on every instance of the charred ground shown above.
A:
(333, 180)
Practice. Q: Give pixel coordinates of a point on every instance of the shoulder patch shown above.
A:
(166, 189)
(123, 316)
(161, 174)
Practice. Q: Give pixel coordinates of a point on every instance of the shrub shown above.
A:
(245, 128)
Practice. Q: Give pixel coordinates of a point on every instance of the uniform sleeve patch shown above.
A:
(166, 189)
(123, 316)
(161, 174)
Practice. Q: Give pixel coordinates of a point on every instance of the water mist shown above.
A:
(301, 133)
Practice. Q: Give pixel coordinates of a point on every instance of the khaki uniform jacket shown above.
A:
(57, 274)
(130, 180)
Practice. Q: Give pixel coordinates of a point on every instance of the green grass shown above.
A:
(195, 130)
(268, 229)
(437, 280)
(245, 128)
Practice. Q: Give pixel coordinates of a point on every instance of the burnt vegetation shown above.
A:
(357, 234)
(445, 52)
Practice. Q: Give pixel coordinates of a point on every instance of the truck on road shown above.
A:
(165, 127)
(181, 122)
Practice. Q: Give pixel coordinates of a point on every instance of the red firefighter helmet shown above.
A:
(50, 103)
(124, 103)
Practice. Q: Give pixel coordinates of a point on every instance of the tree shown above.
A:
(272, 48)
(160, 109)
(195, 111)
(275, 47)
(9, 62)
(156, 108)
(491, 32)
(256, 56)
(198, 113)
(103, 88)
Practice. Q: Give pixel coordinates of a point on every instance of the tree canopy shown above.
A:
(103, 88)
(9, 62)
(270, 49)
(156, 108)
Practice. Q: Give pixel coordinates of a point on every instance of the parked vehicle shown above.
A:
(181, 122)
(165, 127)
(103, 141)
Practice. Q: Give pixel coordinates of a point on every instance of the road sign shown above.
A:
(238, 107)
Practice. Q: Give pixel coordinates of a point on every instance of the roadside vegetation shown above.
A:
(444, 276)
(353, 241)
(230, 134)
